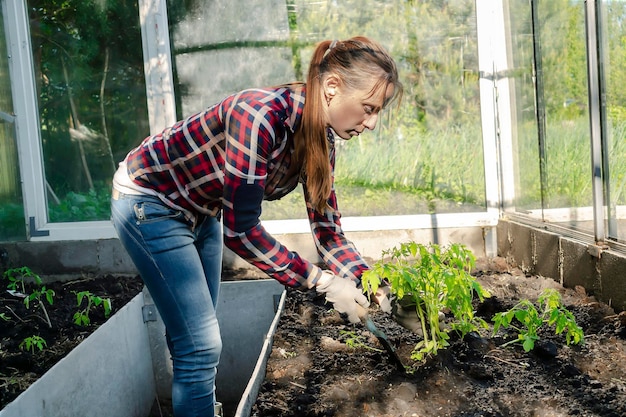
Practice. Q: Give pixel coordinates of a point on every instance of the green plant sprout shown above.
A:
(432, 279)
(17, 277)
(32, 342)
(355, 341)
(37, 295)
(81, 317)
(4, 317)
(552, 313)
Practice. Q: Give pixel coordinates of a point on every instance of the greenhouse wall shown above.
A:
(571, 262)
(66, 259)
(497, 123)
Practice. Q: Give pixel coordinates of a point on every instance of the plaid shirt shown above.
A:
(232, 156)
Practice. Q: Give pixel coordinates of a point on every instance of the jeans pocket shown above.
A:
(148, 212)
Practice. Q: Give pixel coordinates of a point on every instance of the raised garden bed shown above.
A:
(53, 326)
(124, 357)
(312, 370)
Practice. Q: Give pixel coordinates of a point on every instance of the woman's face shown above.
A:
(350, 111)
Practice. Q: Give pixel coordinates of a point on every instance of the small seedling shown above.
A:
(4, 317)
(286, 354)
(38, 294)
(431, 279)
(355, 341)
(81, 317)
(32, 342)
(17, 277)
(531, 320)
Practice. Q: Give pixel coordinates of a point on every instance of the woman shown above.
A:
(170, 192)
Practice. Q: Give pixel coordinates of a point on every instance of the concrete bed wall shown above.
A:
(568, 261)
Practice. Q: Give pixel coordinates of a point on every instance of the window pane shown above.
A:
(410, 163)
(527, 163)
(92, 99)
(614, 31)
(12, 223)
(552, 132)
(567, 141)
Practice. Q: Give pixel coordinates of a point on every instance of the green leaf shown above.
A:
(107, 307)
(80, 295)
(529, 344)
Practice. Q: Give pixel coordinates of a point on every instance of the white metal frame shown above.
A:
(161, 107)
(597, 166)
(26, 113)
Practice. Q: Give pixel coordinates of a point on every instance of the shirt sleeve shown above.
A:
(337, 252)
(251, 130)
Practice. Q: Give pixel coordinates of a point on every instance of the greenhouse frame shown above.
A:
(510, 138)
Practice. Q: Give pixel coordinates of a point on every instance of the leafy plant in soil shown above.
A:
(531, 321)
(81, 317)
(32, 342)
(17, 281)
(431, 279)
(356, 341)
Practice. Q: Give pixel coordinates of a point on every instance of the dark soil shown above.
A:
(20, 367)
(313, 372)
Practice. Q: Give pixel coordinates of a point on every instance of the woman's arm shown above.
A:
(251, 131)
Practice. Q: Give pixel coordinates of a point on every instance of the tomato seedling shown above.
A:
(431, 279)
(531, 320)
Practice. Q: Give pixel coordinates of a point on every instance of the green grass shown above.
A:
(415, 172)
(567, 165)
(443, 165)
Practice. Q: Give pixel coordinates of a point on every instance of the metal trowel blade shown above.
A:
(382, 338)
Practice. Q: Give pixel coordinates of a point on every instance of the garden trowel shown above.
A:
(382, 338)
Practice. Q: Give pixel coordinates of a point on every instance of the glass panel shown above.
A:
(12, 222)
(614, 31)
(525, 128)
(567, 141)
(92, 99)
(410, 163)
(553, 161)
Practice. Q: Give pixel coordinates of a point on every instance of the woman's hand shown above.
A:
(382, 297)
(344, 295)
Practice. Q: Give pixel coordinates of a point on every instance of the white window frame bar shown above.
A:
(595, 123)
(27, 131)
(496, 110)
(161, 108)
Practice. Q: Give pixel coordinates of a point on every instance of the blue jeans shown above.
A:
(181, 268)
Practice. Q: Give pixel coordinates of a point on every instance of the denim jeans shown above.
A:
(181, 268)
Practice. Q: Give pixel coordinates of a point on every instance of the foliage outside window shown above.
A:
(92, 102)
(554, 165)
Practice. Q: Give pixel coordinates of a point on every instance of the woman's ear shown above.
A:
(331, 83)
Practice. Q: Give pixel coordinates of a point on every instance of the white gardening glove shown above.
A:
(407, 317)
(404, 313)
(344, 295)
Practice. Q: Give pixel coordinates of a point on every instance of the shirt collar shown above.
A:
(297, 94)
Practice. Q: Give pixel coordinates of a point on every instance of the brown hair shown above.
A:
(355, 62)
